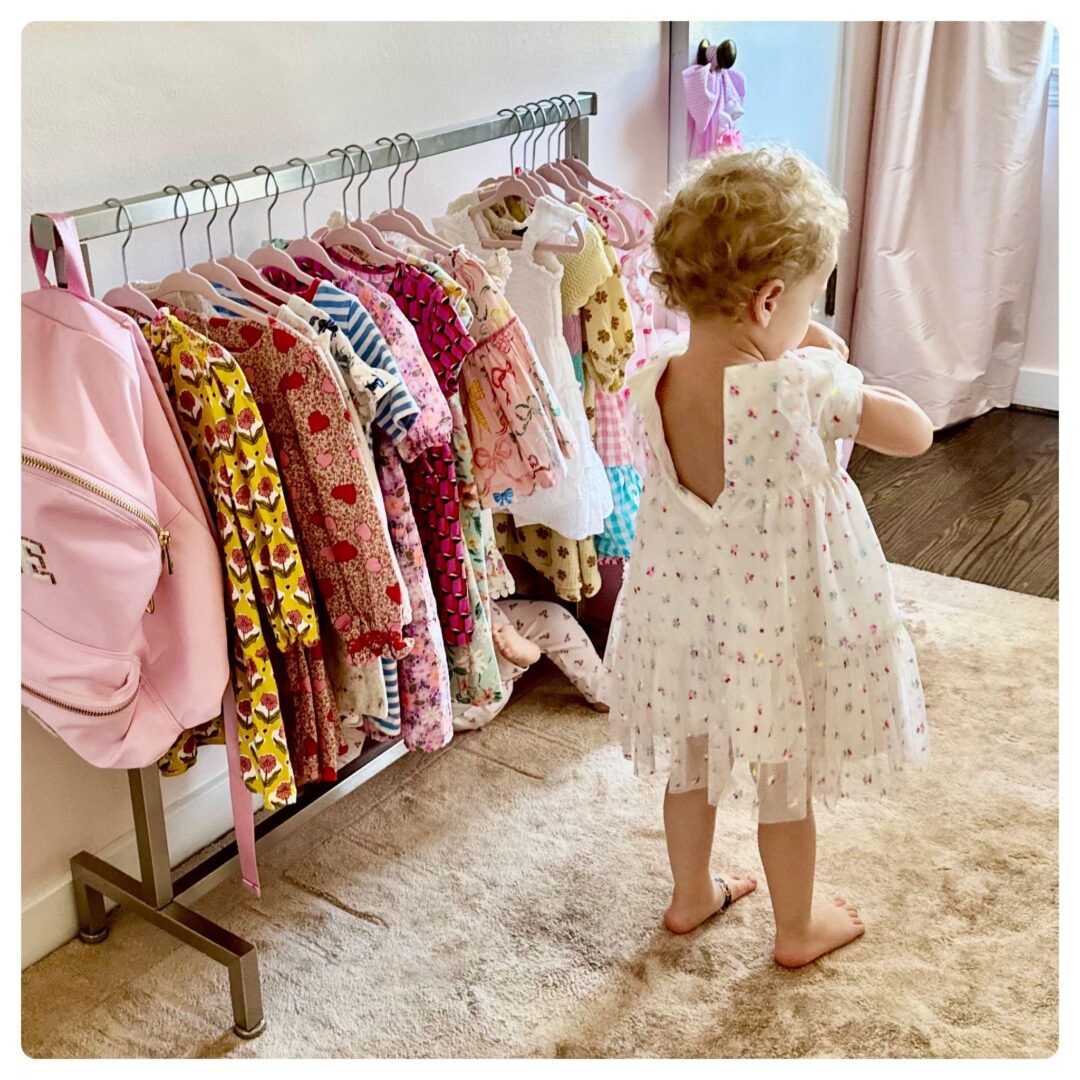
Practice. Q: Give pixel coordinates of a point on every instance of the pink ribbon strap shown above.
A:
(74, 269)
(243, 818)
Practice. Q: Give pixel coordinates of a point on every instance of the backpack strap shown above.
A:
(74, 269)
(243, 818)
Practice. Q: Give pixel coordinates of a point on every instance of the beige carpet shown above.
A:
(503, 898)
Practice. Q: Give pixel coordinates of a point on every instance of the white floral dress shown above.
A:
(756, 644)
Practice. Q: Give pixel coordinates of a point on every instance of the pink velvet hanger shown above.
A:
(582, 170)
(575, 186)
(126, 295)
(357, 234)
(216, 272)
(507, 188)
(184, 280)
(306, 247)
(514, 172)
(398, 219)
(271, 256)
(246, 274)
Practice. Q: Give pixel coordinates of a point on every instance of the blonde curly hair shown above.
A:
(739, 220)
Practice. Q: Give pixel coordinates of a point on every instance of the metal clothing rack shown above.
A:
(154, 896)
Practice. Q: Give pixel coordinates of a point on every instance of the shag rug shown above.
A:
(503, 899)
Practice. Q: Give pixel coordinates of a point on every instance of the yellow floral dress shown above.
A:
(268, 590)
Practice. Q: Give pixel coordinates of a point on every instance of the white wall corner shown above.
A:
(1037, 388)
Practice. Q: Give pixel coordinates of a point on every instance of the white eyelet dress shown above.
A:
(756, 645)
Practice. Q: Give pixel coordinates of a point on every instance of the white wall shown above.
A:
(1038, 381)
(107, 112)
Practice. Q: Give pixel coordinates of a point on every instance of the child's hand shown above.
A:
(821, 336)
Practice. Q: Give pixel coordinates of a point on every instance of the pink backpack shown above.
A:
(124, 643)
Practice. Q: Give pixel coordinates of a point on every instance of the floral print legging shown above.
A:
(559, 637)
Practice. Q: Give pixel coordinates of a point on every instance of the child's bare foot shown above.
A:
(689, 915)
(831, 925)
(517, 649)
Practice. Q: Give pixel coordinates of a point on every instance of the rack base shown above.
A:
(94, 879)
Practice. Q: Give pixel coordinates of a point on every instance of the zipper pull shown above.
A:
(163, 540)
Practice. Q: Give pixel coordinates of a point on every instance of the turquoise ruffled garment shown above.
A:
(617, 539)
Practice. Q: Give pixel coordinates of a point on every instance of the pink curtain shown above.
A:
(951, 220)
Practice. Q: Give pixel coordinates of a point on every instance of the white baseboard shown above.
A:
(195, 820)
(1037, 389)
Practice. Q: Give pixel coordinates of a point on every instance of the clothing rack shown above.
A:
(154, 895)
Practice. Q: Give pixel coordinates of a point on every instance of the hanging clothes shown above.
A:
(432, 475)
(424, 677)
(446, 343)
(534, 289)
(519, 437)
(337, 518)
(226, 437)
(609, 342)
(474, 669)
(366, 693)
(408, 431)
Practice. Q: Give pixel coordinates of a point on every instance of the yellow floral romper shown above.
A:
(233, 457)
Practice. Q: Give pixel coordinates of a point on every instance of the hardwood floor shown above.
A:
(981, 504)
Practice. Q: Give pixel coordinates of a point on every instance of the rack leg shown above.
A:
(96, 878)
(246, 995)
(90, 906)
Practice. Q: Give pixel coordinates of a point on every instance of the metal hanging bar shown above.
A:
(93, 222)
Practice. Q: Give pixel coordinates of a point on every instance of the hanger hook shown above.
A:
(311, 190)
(213, 217)
(268, 173)
(229, 186)
(543, 127)
(346, 159)
(130, 228)
(172, 189)
(543, 113)
(390, 178)
(559, 105)
(360, 150)
(569, 99)
(518, 134)
(577, 116)
(416, 161)
(532, 127)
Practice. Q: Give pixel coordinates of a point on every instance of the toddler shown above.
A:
(756, 644)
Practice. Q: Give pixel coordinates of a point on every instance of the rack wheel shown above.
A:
(250, 1033)
(92, 938)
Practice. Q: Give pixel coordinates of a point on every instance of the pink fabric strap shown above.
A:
(243, 818)
(74, 269)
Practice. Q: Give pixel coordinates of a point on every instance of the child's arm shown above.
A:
(893, 424)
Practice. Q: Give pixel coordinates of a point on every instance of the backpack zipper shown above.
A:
(109, 496)
(79, 709)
